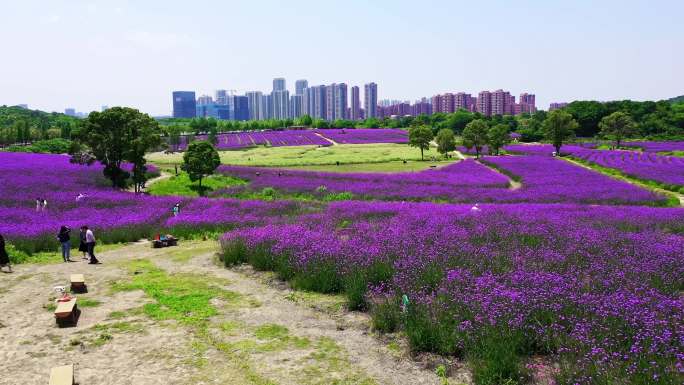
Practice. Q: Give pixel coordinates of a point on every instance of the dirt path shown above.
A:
(262, 332)
(334, 143)
(629, 180)
(162, 176)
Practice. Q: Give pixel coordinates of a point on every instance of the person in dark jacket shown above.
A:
(65, 239)
(4, 258)
(83, 246)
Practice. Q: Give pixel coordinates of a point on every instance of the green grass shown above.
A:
(673, 153)
(181, 185)
(309, 155)
(393, 166)
(53, 257)
(185, 298)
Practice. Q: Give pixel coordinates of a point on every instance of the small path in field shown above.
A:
(162, 176)
(629, 180)
(334, 143)
(268, 335)
(512, 184)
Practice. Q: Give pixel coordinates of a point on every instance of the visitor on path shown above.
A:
(65, 239)
(39, 204)
(90, 243)
(82, 246)
(80, 197)
(176, 209)
(44, 204)
(4, 257)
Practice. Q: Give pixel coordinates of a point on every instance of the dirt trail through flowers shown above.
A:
(260, 333)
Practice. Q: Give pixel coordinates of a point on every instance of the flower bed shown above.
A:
(365, 135)
(596, 288)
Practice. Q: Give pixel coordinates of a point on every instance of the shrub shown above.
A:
(385, 315)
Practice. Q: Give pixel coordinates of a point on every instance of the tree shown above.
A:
(200, 159)
(617, 126)
(445, 141)
(120, 134)
(498, 136)
(558, 127)
(475, 135)
(304, 120)
(213, 135)
(420, 137)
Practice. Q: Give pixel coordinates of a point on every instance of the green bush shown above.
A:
(16, 256)
(386, 315)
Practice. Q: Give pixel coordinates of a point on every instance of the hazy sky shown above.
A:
(85, 54)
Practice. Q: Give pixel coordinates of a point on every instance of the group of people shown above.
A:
(41, 204)
(86, 244)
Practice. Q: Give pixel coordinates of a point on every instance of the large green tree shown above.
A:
(199, 160)
(558, 127)
(475, 135)
(617, 126)
(497, 137)
(420, 137)
(117, 135)
(446, 142)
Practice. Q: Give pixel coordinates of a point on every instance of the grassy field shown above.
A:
(309, 155)
(181, 185)
(394, 166)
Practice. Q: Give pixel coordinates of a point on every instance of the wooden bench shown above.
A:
(62, 375)
(78, 283)
(66, 313)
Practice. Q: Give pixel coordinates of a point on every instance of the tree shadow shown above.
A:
(201, 191)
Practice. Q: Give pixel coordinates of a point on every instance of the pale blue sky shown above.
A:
(84, 54)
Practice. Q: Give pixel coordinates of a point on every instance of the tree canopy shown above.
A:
(617, 126)
(558, 127)
(446, 141)
(420, 137)
(201, 159)
(475, 135)
(497, 137)
(117, 135)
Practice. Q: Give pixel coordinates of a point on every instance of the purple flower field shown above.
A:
(365, 135)
(656, 146)
(596, 288)
(115, 216)
(668, 170)
(239, 140)
(544, 180)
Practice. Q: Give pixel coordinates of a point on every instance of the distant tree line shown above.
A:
(19, 126)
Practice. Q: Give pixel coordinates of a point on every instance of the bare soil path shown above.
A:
(261, 333)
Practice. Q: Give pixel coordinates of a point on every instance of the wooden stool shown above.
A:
(66, 313)
(62, 375)
(78, 283)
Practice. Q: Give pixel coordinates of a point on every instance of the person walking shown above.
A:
(4, 257)
(65, 239)
(90, 243)
(82, 245)
(176, 209)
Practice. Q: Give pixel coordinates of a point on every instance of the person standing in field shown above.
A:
(82, 246)
(65, 239)
(39, 204)
(90, 243)
(4, 257)
(176, 209)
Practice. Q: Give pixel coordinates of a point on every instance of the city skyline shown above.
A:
(135, 53)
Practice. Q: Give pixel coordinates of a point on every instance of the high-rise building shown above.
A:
(279, 84)
(527, 103)
(281, 104)
(370, 100)
(464, 101)
(209, 109)
(221, 97)
(238, 107)
(355, 109)
(330, 102)
(204, 99)
(484, 103)
(254, 100)
(500, 99)
(184, 104)
(319, 110)
(448, 103)
(340, 101)
(24, 106)
(300, 86)
(267, 107)
(296, 106)
(557, 106)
